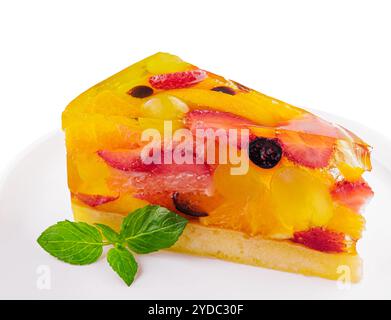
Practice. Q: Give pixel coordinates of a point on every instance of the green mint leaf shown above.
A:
(123, 263)
(151, 228)
(72, 242)
(108, 233)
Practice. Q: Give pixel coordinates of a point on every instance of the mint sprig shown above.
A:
(145, 230)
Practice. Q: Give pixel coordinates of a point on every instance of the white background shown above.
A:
(328, 55)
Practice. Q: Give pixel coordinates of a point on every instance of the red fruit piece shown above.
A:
(177, 80)
(159, 177)
(174, 178)
(314, 125)
(321, 239)
(131, 160)
(210, 119)
(309, 150)
(126, 160)
(352, 194)
(94, 200)
(148, 185)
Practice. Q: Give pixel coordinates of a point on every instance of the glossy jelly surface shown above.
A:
(304, 180)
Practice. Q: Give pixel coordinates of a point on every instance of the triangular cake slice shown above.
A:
(283, 189)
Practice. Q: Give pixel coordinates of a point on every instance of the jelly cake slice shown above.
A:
(297, 207)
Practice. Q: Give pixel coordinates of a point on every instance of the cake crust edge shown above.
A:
(234, 246)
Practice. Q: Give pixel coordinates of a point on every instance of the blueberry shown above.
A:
(141, 91)
(265, 153)
(224, 89)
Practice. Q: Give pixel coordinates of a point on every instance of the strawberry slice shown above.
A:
(131, 160)
(215, 120)
(309, 150)
(314, 125)
(321, 239)
(126, 160)
(352, 194)
(210, 119)
(159, 177)
(311, 124)
(94, 200)
(177, 80)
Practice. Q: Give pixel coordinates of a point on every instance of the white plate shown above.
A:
(34, 195)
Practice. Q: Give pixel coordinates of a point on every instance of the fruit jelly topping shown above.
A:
(292, 154)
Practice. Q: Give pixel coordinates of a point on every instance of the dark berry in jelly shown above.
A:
(224, 89)
(141, 91)
(265, 153)
(183, 206)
